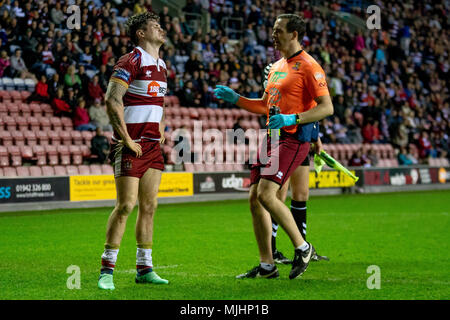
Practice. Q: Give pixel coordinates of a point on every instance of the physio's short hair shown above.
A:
(138, 22)
(294, 23)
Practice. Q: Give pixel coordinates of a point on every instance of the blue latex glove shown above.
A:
(225, 93)
(282, 120)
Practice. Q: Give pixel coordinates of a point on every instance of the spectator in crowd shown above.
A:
(40, 91)
(425, 147)
(57, 15)
(358, 159)
(372, 157)
(100, 145)
(4, 63)
(53, 85)
(19, 68)
(340, 131)
(98, 115)
(71, 98)
(405, 158)
(81, 120)
(371, 132)
(71, 79)
(84, 79)
(60, 106)
(95, 90)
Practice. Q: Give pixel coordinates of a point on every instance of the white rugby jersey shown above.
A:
(146, 80)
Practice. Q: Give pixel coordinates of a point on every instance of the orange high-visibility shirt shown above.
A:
(294, 83)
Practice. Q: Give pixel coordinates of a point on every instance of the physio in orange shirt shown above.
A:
(297, 86)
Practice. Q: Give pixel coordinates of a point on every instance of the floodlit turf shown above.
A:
(201, 247)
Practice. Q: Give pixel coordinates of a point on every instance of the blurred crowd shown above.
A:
(388, 86)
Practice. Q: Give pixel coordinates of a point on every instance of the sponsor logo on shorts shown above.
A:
(280, 175)
(128, 164)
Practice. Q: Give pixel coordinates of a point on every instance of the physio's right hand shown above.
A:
(134, 146)
(225, 93)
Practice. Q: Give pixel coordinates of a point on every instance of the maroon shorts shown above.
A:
(125, 162)
(283, 159)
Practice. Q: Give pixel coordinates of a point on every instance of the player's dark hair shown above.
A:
(138, 22)
(294, 23)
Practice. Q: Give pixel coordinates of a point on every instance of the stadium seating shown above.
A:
(60, 170)
(4, 156)
(72, 170)
(23, 171)
(9, 172)
(30, 134)
(64, 155)
(84, 170)
(26, 152)
(48, 171)
(6, 138)
(40, 155)
(36, 171)
(15, 155)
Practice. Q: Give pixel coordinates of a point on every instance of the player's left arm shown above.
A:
(317, 146)
(323, 109)
(316, 83)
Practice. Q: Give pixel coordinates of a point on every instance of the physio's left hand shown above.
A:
(282, 120)
(317, 146)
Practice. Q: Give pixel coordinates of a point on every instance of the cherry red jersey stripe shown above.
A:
(131, 99)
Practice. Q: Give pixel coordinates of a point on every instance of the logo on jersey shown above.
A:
(153, 88)
(296, 66)
(318, 76)
(148, 73)
(322, 84)
(278, 75)
(121, 74)
(135, 57)
(275, 95)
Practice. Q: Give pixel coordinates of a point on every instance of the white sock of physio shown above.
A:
(266, 266)
(304, 246)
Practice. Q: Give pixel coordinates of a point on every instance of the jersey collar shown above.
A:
(295, 54)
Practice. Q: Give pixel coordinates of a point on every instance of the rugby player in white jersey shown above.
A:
(135, 100)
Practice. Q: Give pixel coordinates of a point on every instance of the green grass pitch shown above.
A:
(201, 247)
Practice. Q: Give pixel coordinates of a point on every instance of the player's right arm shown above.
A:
(114, 108)
(253, 105)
